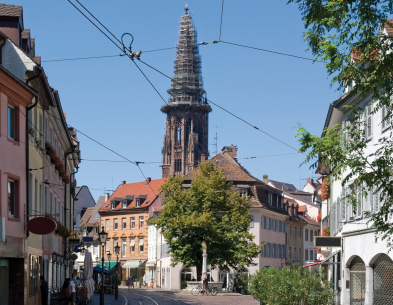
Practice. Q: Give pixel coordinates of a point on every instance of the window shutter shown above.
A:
(368, 122)
(285, 251)
(261, 222)
(375, 200)
(343, 205)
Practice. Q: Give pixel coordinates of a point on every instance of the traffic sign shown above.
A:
(309, 262)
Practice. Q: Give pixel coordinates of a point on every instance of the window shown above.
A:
(112, 205)
(124, 204)
(84, 231)
(300, 254)
(267, 250)
(140, 222)
(311, 235)
(289, 253)
(140, 245)
(300, 232)
(12, 122)
(265, 226)
(277, 201)
(284, 251)
(385, 122)
(138, 203)
(12, 199)
(306, 255)
(280, 228)
(289, 231)
(252, 221)
(306, 234)
(243, 192)
(178, 135)
(132, 222)
(123, 248)
(262, 219)
(269, 198)
(359, 203)
(368, 122)
(34, 274)
(277, 224)
(124, 222)
(45, 200)
(311, 255)
(132, 245)
(273, 251)
(294, 253)
(95, 250)
(316, 233)
(107, 246)
(107, 221)
(177, 165)
(294, 232)
(115, 224)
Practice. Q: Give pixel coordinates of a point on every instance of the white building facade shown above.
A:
(362, 269)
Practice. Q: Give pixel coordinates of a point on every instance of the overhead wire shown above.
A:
(222, 12)
(229, 112)
(296, 153)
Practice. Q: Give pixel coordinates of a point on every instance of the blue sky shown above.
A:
(110, 100)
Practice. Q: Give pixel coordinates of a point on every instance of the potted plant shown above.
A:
(124, 281)
(242, 282)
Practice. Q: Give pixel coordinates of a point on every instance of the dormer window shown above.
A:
(124, 204)
(243, 192)
(112, 205)
(138, 202)
(84, 231)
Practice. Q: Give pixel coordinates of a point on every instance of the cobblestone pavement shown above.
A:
(162, 297)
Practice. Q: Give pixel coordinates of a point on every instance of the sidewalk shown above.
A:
(109, 299)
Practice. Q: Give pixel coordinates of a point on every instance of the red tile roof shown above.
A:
(309, 220)
(135, 189)
(302, 208)
(388, 27)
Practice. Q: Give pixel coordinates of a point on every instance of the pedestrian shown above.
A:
(78, 281)
(72, 291)
(234, 289)
(66, 290)
(145, 280)
(162, 282)
(204, 283)
(132, 281)
(44, 290)
(193, 279)
(129, 282)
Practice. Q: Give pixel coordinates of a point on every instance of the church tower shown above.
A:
(187, 112)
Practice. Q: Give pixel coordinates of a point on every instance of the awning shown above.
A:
(330, 256)
(132, 264)
(132, 243)
(99, 270)
(141, 241)
(108, 265)
(150, 263)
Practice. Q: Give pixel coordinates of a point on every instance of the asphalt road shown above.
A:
(161, 297)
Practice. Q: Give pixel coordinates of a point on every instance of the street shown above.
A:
(157, 297)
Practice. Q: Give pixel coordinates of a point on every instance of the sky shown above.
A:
(109, 100)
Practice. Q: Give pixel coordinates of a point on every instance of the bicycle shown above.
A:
(200, 291)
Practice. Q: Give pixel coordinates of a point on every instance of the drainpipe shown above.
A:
(73, 206)
(28, 108)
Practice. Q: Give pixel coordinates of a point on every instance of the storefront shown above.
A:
(134, 268)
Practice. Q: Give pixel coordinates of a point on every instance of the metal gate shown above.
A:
(383, 280)
(357, 281)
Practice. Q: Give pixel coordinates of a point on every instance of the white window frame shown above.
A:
(252, 221)
(132, 223)
(132, 245)
(124, 204)
(123, 248)
(107, 224)
(141, 245)
(137, 203)
(385, 125)
(141, 222)
(115, 224)
(368, 122)
(124, 223)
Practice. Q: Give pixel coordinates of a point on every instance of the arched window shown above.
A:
(357, 281)
(383, 280)
(179, 134)
(225, 276)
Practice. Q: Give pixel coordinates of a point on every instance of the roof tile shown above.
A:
(10, 10)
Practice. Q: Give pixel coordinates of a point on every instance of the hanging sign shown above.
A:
(87, 239)
(41, 225)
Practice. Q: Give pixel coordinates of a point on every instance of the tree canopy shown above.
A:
(209, 210)
(349, 37)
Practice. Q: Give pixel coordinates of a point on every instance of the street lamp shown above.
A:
(54, 259)
(117, 250)
(102, 236)
(109, 269)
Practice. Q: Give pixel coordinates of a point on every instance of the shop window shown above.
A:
(34, 275)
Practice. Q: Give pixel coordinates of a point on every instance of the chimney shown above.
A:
(122, 183)
(234, 151)
(106, 197)
(309, 180)
(148, 179)
(265, 179)
(203, 158)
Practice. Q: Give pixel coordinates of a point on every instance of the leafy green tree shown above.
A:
(346, 35)
(287, 286)
(208, 211)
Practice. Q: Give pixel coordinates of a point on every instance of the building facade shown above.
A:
(124, 217)
(187, 111)
(48, 165)
(361, 270)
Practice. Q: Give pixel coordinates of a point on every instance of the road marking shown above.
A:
(125, 300)
(146, 297)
